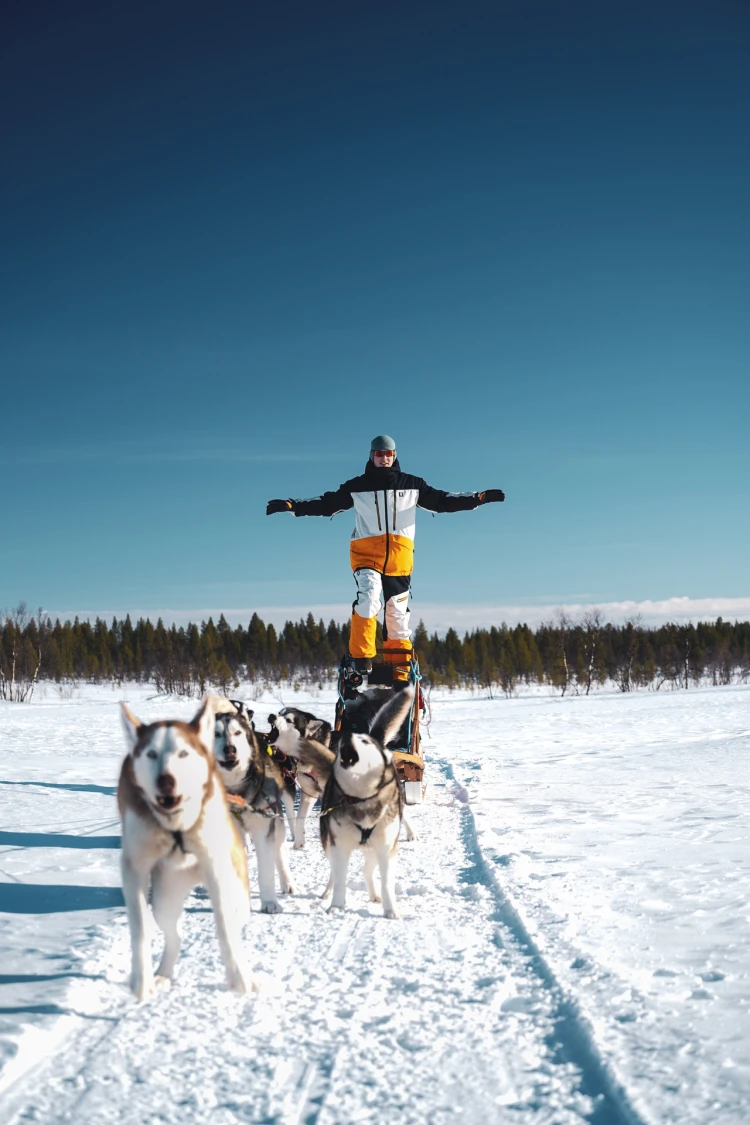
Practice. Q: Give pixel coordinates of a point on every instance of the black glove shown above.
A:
(491, 496)
(274, 506)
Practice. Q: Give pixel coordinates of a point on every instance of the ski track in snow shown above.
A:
(359, 1018)
(479, 1002)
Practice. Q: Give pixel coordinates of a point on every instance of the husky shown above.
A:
(305, 739)
(293, 732)
(250, 772)
(363, 805)
(177, 832)
(306, 724)
(360, 712)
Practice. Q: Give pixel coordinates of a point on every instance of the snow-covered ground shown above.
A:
(573, 940)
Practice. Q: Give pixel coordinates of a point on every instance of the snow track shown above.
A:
(448, 1011)
(574, 1037)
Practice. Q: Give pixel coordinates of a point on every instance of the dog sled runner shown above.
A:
(407, 756)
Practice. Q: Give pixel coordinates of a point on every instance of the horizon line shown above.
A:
(438, 616)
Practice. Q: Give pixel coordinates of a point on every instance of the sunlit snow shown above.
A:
(573, 940)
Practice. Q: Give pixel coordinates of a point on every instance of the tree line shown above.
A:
(571, 655)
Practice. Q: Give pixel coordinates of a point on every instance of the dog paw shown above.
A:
(299, 847)
(375, 898)
(142, 987)
(270, 908)
(241, 981)
(333, 909)
(162, 984)
(390, 914)
(290, 889)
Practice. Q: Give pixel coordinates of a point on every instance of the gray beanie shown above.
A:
(382, 441)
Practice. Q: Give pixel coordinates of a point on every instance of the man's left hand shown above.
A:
(491, 496)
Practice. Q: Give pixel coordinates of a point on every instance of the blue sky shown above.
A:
(237, 243)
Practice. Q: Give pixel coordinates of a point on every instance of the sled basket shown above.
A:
(410, 772)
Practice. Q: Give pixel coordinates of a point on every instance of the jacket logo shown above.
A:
(402, 494)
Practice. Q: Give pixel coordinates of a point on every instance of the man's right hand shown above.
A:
(491, 496)
(274, 506)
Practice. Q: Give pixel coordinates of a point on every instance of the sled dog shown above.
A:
(293, 734)
(360, 712)
(305, 740)
(307, 725)
(363, 806)
(177, 831)
(250, 772)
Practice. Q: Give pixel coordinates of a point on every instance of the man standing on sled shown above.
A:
(385, 502)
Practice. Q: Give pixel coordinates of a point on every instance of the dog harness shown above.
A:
(346, 799)
(238, 802)
(271, 808)
(310, 796)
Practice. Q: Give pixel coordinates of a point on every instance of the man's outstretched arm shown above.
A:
(326, 505)
(436, 500)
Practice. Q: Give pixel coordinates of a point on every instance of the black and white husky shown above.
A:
(177, 831)
(360, 712)
(305, 739)
(363, 804)
(249, 772)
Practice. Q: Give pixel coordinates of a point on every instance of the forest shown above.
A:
(571, 655)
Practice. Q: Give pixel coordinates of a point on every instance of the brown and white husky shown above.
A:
(177, 832)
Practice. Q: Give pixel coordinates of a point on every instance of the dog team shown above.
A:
(191, 793)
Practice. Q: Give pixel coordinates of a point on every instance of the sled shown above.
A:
(407, 759)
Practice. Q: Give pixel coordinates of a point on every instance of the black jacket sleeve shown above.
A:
(435, 500)
(326, 505)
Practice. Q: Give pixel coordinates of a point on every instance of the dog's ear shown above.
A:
(131, 725)
(204, 721)
(218, 705)
(243, 709)
(391, 715)
(315, 729)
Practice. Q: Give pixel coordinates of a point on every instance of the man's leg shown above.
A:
(365, 614)
(397, 645)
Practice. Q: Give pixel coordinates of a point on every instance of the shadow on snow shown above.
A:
(70, 786)
(30, 898)
(57, 840)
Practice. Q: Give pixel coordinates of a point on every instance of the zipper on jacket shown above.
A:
(387, 534)
(377, 509)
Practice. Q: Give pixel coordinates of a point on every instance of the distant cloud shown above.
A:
(464, 618)
(650, 612)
